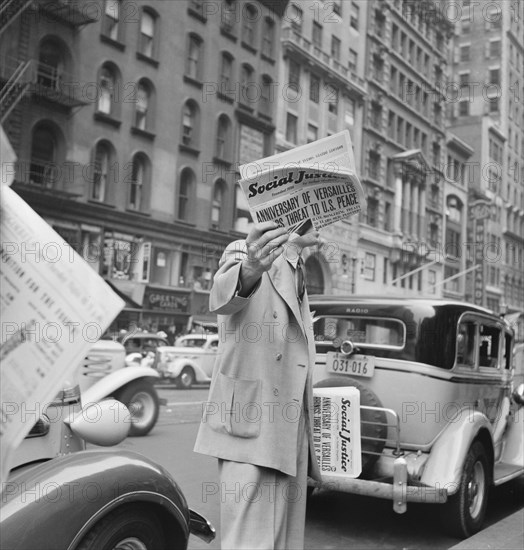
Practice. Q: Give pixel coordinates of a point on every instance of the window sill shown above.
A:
(103, 204)
(190, 80)
(144, 133)
(107, 119)
(267, 58)
(197, 15)
(138, 212)
(248, 47)
(225, 97)
(265, 116)
(189, 150)
(147, 59)
(218, 160)
(224, 31)
(245, 107)
(115, 43)
(184, 223)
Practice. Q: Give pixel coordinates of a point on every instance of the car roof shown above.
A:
(142, 335)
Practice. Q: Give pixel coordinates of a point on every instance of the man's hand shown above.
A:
(264, 245)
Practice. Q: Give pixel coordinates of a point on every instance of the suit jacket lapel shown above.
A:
(282, 277)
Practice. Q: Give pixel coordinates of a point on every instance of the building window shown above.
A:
(464, 52)
(246, 84)
(137, 183)
(335, 48)
(316, 37)
(374, 166)
(291, 128)
(332, 98)
(111, 21)
(314, 88)
(352, 60)
(400, 129)
(464, 107)
(190, 116)
(354, 17)
(142, 108)
(376, 115)
(100, 181)
(369, 266)
(312, 133)
(185, 191)
(266, 95)
(217, 203)
(350, 112)
(229, 15)
(494, 50)
(194, 57)
(494, 76)
(493, 103)
(294, 76)
(226, 73)
(249, 19)
(147, 34)
(43, 167)
(296, 16)
(378, 68)
(391, 124)
(223, 137)
(268, 37)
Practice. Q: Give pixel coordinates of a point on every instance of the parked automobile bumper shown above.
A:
(398, 490)
(200, 526)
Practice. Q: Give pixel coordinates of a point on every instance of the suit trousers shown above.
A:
(262, 508)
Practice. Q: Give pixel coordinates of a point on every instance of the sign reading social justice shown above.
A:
(311, 185)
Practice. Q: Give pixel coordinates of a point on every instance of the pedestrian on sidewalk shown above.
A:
(258, 418)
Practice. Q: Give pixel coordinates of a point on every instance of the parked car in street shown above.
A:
(60, 496)
(142, 342)
(441, 417)
(189, 361)
(105, 373)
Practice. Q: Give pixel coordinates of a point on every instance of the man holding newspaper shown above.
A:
(258, 419)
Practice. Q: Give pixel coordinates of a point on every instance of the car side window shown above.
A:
(214, 344)
(489, 345)
(466, 344)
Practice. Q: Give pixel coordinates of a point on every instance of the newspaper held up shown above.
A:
(54, 306)
(315, 184)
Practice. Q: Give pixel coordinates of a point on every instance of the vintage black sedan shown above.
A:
(441, 416)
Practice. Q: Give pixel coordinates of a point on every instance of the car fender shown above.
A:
(83, 487)
(114, 381)
(174, 368)
(448, 454)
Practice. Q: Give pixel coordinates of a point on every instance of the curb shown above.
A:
(507, 534)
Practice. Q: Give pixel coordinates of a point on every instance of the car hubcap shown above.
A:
(186, 378)
(476, 487)
(142, 408)
(131, 543)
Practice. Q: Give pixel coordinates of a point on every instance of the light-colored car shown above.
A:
(189, 361)
(441, 416)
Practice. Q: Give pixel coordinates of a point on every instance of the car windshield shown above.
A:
(191, 342)
(364, 331)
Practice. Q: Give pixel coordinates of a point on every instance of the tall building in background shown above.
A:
(487, 112)
(404, 149)
(129, 119)
(322, 92)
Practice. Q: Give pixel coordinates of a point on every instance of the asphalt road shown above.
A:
(334, 520)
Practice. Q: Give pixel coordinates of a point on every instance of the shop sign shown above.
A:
(478, 292)
(165, 300)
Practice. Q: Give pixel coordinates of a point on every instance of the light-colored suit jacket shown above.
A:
(262, 376)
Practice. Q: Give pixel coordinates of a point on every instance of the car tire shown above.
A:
(124, 528)
(463, 514)
(373, 424)
(186, 378)
(141, 398)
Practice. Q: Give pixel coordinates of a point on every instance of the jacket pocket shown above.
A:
(239, 406)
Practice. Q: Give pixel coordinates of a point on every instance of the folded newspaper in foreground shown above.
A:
(315, 184)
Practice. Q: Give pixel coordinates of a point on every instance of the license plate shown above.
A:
(356, 365)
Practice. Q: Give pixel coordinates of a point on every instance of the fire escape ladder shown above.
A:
(14, 89)
(10, 10)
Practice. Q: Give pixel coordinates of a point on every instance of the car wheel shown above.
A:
(186, 378)
(463, 514)
(373, 424)
(141, 398)
(128, 528)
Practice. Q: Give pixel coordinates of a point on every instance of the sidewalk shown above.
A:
(507, 534)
